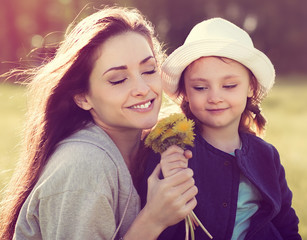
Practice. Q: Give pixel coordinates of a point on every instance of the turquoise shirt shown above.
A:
(247, 205)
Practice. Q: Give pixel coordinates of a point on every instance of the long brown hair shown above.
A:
(53, 114)
(252, 120)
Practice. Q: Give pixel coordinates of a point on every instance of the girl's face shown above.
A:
(125, 85)
(217, 91)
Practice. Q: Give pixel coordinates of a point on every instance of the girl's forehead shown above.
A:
(203, 60)
(213, 69)
(214, 61)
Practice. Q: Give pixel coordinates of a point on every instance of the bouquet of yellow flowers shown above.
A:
(175, 130)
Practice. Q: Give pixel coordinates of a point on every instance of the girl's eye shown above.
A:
(117, 82)
(230, 86)
(199, 88)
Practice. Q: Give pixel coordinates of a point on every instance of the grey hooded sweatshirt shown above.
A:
(82, 193)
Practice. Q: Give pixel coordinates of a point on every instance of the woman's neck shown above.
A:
(127, 142)
(226, 140)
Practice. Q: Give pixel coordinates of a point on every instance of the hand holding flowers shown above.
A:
(169, 138)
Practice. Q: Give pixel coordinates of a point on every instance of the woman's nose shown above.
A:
(140, 87)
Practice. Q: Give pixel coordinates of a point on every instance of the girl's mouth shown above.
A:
(217, 110)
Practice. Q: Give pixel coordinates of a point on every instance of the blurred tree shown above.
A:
(173, 19)
(9, 35)
(278, 27)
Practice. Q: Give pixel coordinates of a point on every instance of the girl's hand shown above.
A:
(174, 159)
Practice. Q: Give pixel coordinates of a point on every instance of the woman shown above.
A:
(90, 105)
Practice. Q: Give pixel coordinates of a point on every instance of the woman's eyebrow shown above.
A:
(146, 59)
(124, 67)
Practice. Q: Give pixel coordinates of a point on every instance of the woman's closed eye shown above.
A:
(150, 72)
(118, 81)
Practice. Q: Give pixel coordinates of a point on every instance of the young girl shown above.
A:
(78, 176)
(219, 78)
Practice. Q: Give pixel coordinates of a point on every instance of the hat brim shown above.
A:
(253, 59)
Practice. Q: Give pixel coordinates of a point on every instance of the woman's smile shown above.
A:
(143, 106)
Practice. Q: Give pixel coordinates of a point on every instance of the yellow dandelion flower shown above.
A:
(163, 125)
(188, 141)
(190, 136)
(184, 126)
(173, 130)
(156, 147)
(175, 117)
(167, 134)
(154, 135)
(157, 132)
(172, 119)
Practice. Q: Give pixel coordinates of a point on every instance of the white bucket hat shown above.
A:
(217, 37)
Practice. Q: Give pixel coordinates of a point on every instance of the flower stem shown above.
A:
(191, 227)
(186, 229)
(201, 225)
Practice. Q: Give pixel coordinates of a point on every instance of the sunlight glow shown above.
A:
(37, 41)
(65, 2)
(250, 23)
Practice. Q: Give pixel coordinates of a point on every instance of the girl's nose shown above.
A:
(214, 96)
(141, 87)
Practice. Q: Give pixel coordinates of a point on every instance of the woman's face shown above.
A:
(125, 85)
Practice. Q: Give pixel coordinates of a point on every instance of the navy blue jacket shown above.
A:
(217, 176)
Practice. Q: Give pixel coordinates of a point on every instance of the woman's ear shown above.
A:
(82, 101)
(185, 98)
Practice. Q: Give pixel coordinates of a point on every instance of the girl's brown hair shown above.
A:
(53, 114)
(252, 120)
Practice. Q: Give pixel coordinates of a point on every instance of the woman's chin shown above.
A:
(149, 124)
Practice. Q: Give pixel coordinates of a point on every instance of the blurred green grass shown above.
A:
(285, 109)
(12, 111)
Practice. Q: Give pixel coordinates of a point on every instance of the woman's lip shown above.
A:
(142, 105)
